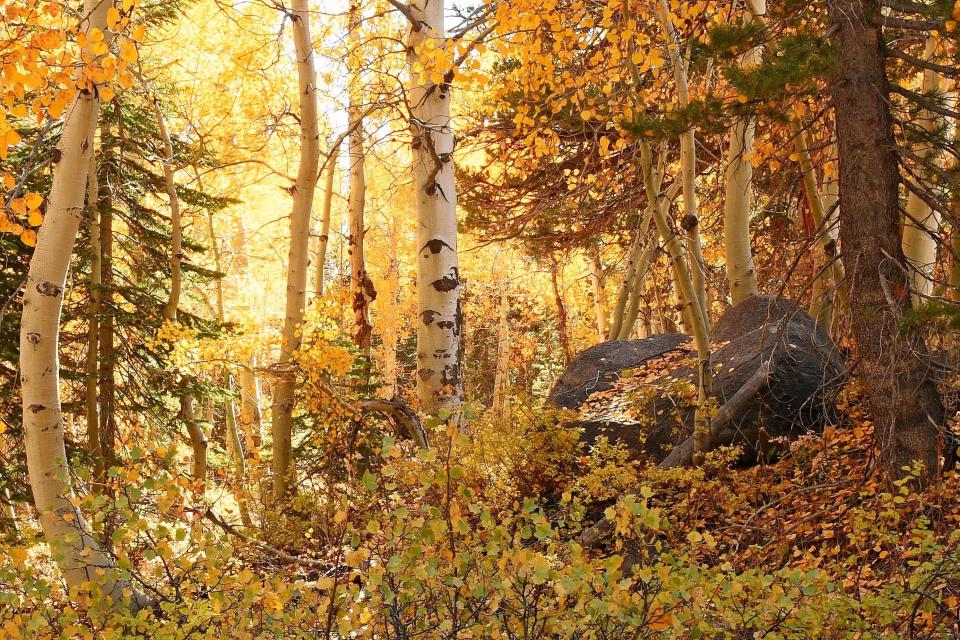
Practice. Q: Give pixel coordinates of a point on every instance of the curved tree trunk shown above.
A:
(738, 187)
(439, 380)
(894, 369)
(285, 388)
(77, 553)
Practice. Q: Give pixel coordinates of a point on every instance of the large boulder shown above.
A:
(641, 392)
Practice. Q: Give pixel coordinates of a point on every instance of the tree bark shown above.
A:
(894, 367)
(563, 330)
(501, 380)
(738, 187)
(93, 322)
(176, 225)
(599, 293)
(324, 240)
(688, 164)
(391, 313)
(361, 286)
(439, 379)
(106, 374)
(689, 301)
(79, 556)
(285, 388)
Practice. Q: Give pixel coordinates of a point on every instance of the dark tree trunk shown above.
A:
(107, 392)
(893, 364)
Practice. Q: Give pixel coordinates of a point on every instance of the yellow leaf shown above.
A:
(33, 200)
(106, 93)
(113, 18)
(35, 219)
(29, 238)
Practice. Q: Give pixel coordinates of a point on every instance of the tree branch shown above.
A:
(946, 70)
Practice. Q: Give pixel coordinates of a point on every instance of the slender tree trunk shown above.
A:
(501, 381)
(78, 554)
(738, 186)
(563, 330)
(688, 164)
(831, 275)
(250, 416)
(921, 223)
(107, 358)
(390, 314)
(691, 306)
(894, 367)
(361, 286)
(176, 225)
(439, 380)
(285, 388)
(636, 290)
(599, 293)
(235, 450)
(198, 441)
(93, 323)
(324, 240)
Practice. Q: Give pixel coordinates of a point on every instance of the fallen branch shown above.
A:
(722, 432)
(721, 427)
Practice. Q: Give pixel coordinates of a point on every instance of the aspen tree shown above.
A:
(361, 286)
(599, 293)
(284, 391)
(738, 185)
(440, 321)
(176, 225)
(501, 381)
(688, 299)
(323, 241)
(921, 223)
(688, 163)
(390, 320)
(79, 556)
(93, 320)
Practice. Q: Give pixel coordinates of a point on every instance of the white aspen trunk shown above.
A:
(623, 297)
(198, 442)
(79, 556)
(250, 416)
(324, 240)
(439, 380)
(636, 290)
(921, 223)
(501, 381)
(692, 308)
(688, 163)
(599, 293)
(361, 286)
(235, 449)
(285, 388)
(176, 225)
(93, 321)
(390, 315)
(738, 187)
